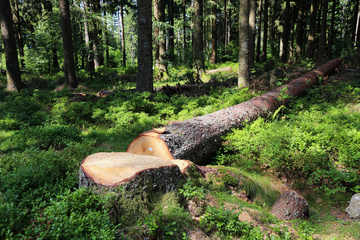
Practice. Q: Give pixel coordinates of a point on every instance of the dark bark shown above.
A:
(213, 57)
(258, 41)
(299, 29)
(311, 37)
(290, 205)
(97, 36)
(244, 69)
(14, 82)
(252, 33)
(20, 40)
(199, 138)
(89, 54)
(171, 33)
(69, 64)
(145, 59)
(355, 21)
(184, 29)
(286, 32)
(331, 30)
(225, 23)
(198, 36)
(265, 38)
(322, 38)
(122, 36)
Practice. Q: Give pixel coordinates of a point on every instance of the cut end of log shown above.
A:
(159, 130)
(150, 144)
(111, 169)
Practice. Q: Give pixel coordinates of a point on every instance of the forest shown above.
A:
(86, 77)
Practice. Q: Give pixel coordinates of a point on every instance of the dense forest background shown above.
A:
(80, 77)
(190, 33)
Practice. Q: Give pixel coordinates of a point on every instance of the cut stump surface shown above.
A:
(112, 169)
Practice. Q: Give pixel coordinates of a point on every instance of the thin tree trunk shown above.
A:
(258, 41)
(69, 68)
(311, 37)
(356, 17)
(145, 59)
(265, 38)
(213, 57)
(123, 35)
(184, 29)
(252, 33)
(98, 58)
(19, 34)
(299, 30)
(286, 33)
(89, 55)
(198, 36)
(225, 23)
(244, 70)
(331, 32)
(171, 32)
(14, 82)
(322, 39)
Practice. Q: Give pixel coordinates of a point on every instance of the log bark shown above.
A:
(197, 139)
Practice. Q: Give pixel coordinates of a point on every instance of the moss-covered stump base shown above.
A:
(136, 183)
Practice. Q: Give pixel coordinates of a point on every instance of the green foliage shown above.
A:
(190, 190)
(226, 222)
(72, 215)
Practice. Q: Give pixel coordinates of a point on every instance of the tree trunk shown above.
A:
(213, 57)
(331, 31)
(171, 33)
(184, 29)
(225, 24)
(252, 33)
(244, 70)
(286, 32)
(14, 83)
(89, 54)
(145, 59)
(356, 16)
(199, 138)
(20, 40)
(299, 29)
(122, 27)
(159, 14)
(198, 36)
(258, 41)
(265, 38)
(311, 37)
(69, 64)
(97, 49)
(322, 39)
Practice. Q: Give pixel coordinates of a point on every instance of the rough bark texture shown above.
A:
(244, 68)
(197, 139)
(299, 29)
(290, 205)
(159, 14)
(14, 82)
(145, 70)
(69, 68)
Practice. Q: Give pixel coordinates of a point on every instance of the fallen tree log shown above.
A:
(197, 139)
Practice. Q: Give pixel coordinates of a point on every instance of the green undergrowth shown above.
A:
(44, 135)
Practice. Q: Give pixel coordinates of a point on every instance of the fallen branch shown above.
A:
(197, 139)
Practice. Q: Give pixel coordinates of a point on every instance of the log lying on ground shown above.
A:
(127, 169)
(198, 138)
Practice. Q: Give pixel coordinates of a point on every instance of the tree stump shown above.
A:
(127, 169)
(199, 138)
(290, 205)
